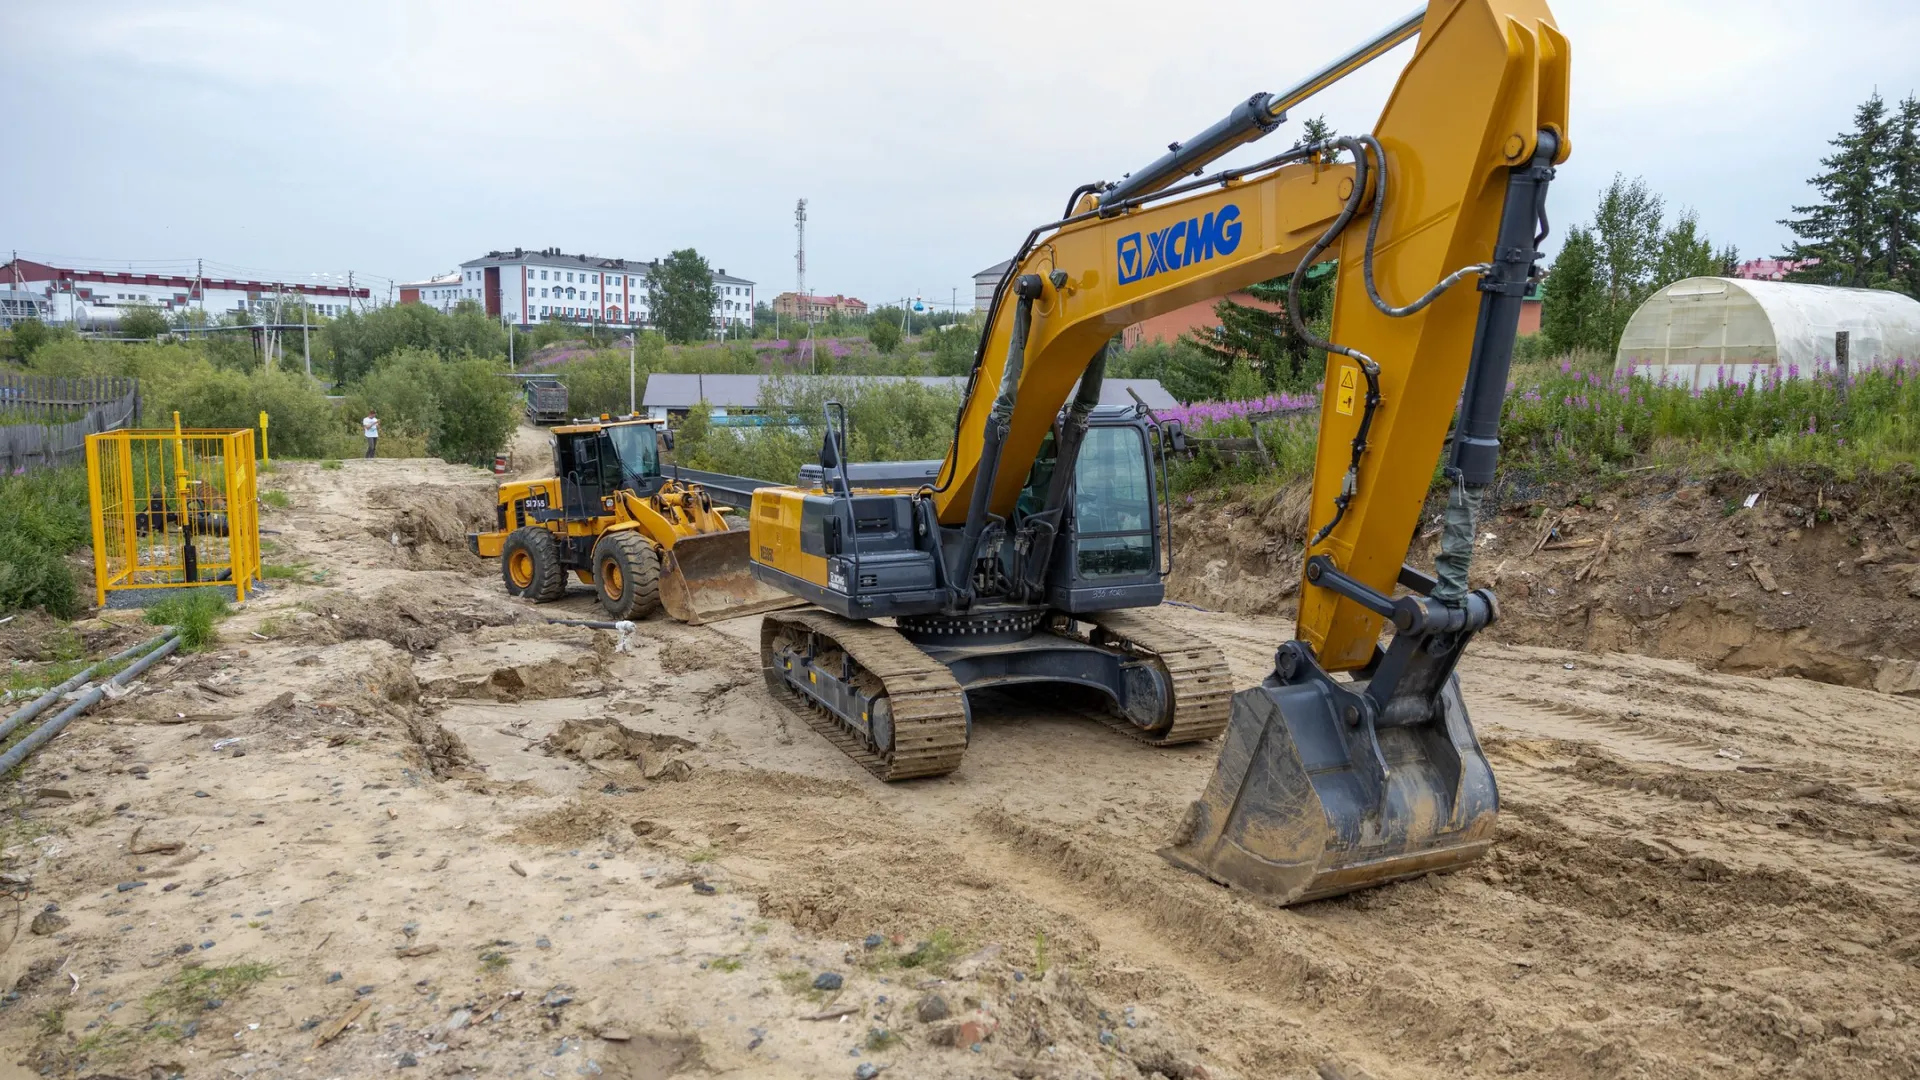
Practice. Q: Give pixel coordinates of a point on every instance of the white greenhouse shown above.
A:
(1702, 331)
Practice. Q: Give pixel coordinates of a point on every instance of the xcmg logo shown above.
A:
(1180, 244)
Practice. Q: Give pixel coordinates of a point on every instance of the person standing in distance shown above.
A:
(371, 425)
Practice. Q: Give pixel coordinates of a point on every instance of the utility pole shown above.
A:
(633, 352)
(200, 285)
(349, 290)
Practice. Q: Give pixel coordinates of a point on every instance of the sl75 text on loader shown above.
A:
(1027, 556)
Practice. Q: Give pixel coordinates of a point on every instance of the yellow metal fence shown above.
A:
(173, 509)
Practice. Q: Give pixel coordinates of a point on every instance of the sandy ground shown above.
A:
(505, 848)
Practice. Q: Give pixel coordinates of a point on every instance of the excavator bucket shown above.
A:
(1308, 802)
(707, 578)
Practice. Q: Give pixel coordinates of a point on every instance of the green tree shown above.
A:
(143, 321)
(1900, 200)
(476, 411)
(1572, 314)
(681, 295)
(1685, 252)
(1844, 234)
(884, 334)
(1627, 235)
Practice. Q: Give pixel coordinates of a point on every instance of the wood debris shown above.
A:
(332, 1031)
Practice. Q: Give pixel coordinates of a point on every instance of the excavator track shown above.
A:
(1195, 667)
(929, 707)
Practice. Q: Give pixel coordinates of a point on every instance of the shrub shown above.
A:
(46, 519)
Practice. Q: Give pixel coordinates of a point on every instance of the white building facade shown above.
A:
(97, 299)
(531, 287)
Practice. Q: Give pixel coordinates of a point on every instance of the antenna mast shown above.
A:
(800, 254)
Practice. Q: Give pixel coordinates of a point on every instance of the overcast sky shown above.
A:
(397, 139)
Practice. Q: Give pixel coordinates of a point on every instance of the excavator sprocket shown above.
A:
(1196, 672)
(928, 708)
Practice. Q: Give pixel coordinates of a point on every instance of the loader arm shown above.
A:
(1487, 79)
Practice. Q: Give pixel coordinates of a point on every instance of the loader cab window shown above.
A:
(1112, 505)
(636, 450)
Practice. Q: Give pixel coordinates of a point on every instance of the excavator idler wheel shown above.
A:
(530, 565)
(626, 575)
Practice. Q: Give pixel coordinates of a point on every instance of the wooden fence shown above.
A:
(45, 420)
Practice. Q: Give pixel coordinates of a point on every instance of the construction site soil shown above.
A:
(395, 820)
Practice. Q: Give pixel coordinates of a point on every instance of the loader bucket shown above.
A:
(1300, 808)
(707, 578)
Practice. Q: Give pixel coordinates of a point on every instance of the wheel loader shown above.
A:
(609, 517)
(1029, 557)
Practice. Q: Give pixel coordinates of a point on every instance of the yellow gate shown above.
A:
(172, 509)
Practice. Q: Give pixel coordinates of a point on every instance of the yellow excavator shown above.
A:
(1027, 556)
(609, 516)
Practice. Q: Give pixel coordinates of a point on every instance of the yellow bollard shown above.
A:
(265, 458)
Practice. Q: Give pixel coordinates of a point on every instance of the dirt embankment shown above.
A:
(1787, 576)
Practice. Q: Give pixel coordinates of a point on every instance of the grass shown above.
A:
(1573, 419)
(330, 464)
(193, 611)
(109, 1043)
(879, 1039)
(187, 992)
(800, 984)
(494, 961)
(53, 1021)
(276, 499)
(1040, 952)
(728, 963)
(299, 572)
(933, 955)
(704, 855)
(42, 677)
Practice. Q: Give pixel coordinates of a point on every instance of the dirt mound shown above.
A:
(601, 739)
(411, 618)
(428, 525)
(1813, 579)
(573, 825)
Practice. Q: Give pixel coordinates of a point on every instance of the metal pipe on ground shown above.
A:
(44, 734)
(38, 705)
(592, 624)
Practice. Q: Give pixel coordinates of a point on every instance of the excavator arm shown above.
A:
(1483, 97)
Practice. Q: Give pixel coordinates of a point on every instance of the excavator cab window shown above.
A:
(1113, 519)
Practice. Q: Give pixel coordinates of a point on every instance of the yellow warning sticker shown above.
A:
(1349, 387)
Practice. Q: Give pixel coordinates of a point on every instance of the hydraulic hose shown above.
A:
(999, 419)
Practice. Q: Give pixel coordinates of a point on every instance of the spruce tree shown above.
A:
(1845, 232)
(1900, 200)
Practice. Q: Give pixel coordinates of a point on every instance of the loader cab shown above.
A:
(593, 460)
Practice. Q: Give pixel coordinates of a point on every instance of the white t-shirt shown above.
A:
(372, 426)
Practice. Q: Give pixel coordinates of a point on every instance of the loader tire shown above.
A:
(626, 575)
(530, 565)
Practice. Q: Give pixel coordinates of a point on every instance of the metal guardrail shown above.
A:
(735, 491)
